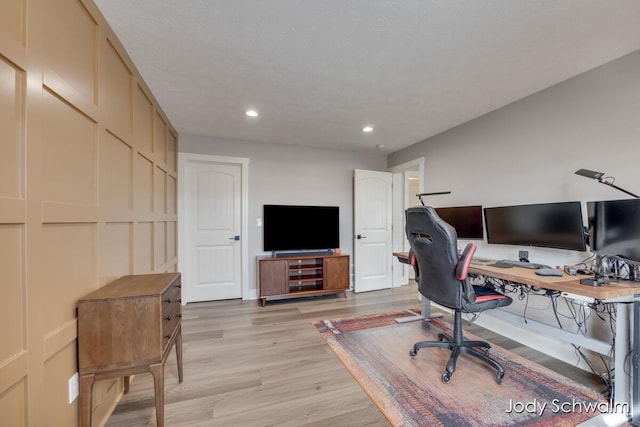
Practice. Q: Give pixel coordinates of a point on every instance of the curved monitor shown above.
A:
(548, 225)
(467, 220)
(614, 228)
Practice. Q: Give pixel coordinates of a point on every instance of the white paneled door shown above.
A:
(212, 226)
(372, 242)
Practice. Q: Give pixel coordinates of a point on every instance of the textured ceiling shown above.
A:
(318, 71)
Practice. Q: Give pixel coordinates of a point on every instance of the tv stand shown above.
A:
(284, 277)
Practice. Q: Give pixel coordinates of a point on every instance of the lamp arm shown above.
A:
(431, 194)
(618, 188)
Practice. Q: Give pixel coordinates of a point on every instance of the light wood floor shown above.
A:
(248, 365)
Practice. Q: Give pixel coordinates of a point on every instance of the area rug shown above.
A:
(409, 391)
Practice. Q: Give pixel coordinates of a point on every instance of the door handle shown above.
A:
(236, 238)
(360, 236)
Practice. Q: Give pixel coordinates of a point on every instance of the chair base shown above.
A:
(457, 345)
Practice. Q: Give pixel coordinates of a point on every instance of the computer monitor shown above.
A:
(549, 225)
(467, 220)
(614, 228)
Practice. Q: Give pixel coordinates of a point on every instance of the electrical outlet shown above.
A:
(74, 387)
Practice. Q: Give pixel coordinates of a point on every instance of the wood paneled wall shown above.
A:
(88, 187)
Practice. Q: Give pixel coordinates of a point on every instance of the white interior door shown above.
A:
(213, 231)
(372, 243)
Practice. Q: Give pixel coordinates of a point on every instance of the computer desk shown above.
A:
(626, 296)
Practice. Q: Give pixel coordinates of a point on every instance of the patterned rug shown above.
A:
(409, 391)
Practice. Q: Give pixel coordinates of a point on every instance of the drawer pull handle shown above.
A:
(178, 285)
(168, 318)
(167, 336)
(168, 300)
(179, 316)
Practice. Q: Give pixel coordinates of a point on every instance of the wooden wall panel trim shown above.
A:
(71, 51)
(115, 196)
(63, 90)
(12, 129)
(13, 370)
(59, 338)
(143, 121)
(160, 140)
(13, 23)
(53, 212)
(117, 96)
(144, 217)
(75, 239)
(12, 211)
(13, 52)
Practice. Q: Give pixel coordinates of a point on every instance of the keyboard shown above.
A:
(507, 263)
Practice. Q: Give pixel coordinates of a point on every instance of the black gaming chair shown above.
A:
(442, 278)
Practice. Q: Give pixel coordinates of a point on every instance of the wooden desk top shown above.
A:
(566, 283)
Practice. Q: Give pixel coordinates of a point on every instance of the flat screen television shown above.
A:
(289, 227)
(614, 228)
(547, 225)
(467, 220)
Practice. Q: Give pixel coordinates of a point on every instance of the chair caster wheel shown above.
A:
(446, 377)
(413, 352)
(499, 377)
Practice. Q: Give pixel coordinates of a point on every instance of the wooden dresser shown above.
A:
(128, 327)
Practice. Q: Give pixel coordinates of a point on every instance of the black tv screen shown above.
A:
(548, 225)
(288, 227)
(467, 220)
(614, 228)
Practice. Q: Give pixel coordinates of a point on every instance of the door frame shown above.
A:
(401, 200)
(184, 159)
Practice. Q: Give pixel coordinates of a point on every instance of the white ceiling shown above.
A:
(318, 71)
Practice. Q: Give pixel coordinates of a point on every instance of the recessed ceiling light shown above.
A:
(380, 146)
(251, 113)
(367, 129)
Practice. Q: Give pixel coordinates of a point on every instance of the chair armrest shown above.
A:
(462, 267)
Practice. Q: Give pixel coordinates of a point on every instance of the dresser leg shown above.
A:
(85, 399)
(158, 384)
(179, 353)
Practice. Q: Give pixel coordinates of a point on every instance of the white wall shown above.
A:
(286, 174)
(527, 152)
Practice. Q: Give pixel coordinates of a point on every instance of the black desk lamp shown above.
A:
(599, 177)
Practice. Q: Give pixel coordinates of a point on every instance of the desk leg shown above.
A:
(635, 370)
(425, 313)
(179, 353)
(85, 400)
(426, 308)
(158, 384)
(622, 388)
